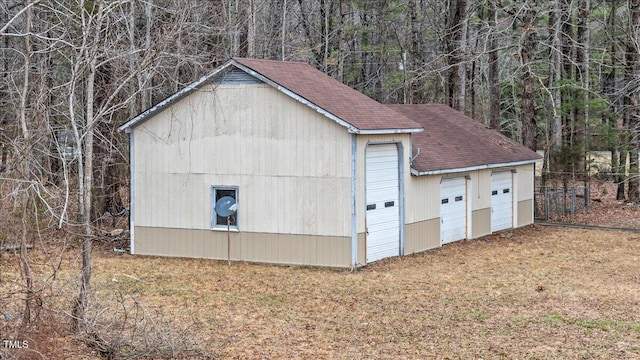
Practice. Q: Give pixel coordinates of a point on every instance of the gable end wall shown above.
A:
(292, 167)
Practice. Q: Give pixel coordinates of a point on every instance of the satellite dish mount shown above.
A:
(227, 207)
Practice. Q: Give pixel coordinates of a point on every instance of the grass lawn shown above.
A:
(533, 293)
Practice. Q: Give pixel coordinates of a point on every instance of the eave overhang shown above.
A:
(473, 168)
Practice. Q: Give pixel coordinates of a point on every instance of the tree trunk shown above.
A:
(311, 40)
(85, 197)
(607, 85)
(494, 69)
(528, 51)
(4, 148)
(622, 163)
(617, 149)
(581, 97)
(27, 274)
(568, 123)
(251, 29)
(414, 90)
(342, 8)
(454, 38)
(555, 77)
(26, 154)
(633, 93)
(284, 28)
(85, 142)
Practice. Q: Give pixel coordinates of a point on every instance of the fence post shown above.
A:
(563, 193)
(546, 204)
(573, 201)
(587, 198)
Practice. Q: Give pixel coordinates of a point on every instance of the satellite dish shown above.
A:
(226, 206)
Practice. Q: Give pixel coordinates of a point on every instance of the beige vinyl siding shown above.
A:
(525, 182)
(257, 247)
(480, 222)
(525, 213)
(422, 231)
(481, 203)
(292, 165)
(423, 201)
(362, 249)
(423, 235)
(481, 196)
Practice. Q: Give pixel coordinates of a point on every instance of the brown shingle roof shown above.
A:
(345, 103)
(452, 140)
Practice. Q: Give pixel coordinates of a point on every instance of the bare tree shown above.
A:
(494, 70)
(581, 108)
(455, 39)
(609, 81)
(26, 158)
(633, 95)
(554, 132)
(528, 50)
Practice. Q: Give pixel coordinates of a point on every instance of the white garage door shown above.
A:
(501, 201)
(453, 210)
(382, 206)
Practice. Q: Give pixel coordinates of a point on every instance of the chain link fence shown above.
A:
(553, 203)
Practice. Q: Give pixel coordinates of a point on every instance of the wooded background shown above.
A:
(561, 76)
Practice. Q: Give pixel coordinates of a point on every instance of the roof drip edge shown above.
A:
(473, 168)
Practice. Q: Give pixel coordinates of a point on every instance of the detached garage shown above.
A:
(304, 170)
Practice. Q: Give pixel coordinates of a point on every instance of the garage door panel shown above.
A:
(386, 232)
(381, 194)
(378, 178)
(451, 234)
(457, 217)
(380, 164)
(381, 220)
(382, 228)
(382, 201)
(453, 210)
(501, 201)
(380, 171)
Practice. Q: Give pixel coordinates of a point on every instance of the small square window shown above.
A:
(444, 201)
(494, 192)
(218, 220)
(505, 191)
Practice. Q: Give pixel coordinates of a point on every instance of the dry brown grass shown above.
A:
(532, 293)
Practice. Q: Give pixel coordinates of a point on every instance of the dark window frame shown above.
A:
(217, 192)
